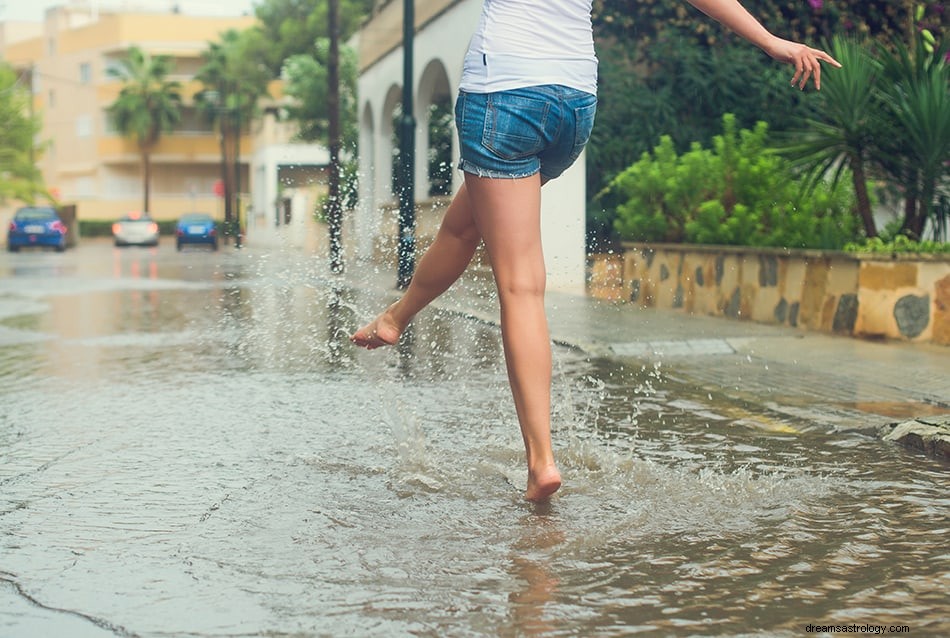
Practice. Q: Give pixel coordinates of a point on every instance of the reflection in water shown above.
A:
(202, 453)
(531, 564)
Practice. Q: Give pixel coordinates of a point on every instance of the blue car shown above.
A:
(196, 228)
(36, 226)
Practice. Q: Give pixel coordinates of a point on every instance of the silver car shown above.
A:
(135, 229)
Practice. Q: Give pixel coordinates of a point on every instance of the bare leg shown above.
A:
(507, 213)
(441, 265)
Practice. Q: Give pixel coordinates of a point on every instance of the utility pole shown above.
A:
(334, 205)
(407, 150)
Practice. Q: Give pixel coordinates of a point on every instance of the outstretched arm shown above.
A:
(734, 16)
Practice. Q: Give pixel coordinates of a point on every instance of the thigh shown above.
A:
(507, 213)
(458, 219)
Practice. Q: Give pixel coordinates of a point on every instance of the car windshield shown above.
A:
(196, 218)
(35, 214)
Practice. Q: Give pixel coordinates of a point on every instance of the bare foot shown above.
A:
(382, 331)
(542, 483)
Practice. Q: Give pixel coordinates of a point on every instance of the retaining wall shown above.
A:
(904, 297)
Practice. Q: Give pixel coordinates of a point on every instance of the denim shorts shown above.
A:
(519, 132)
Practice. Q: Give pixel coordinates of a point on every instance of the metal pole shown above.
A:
(334, 205)
(407, 144)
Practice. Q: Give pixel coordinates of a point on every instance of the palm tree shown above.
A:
(841, 135)
(916, 107)
(234, 77)
(148, 105)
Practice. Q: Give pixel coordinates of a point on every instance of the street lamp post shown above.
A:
(334, 205)
(407, 149)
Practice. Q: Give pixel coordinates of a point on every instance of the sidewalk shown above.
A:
(813, 379)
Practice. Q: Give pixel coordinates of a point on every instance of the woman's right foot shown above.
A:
(382, 331)
(542, 483)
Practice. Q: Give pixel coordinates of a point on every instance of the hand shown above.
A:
(807, 61)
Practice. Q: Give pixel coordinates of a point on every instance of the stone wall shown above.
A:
(905, 297)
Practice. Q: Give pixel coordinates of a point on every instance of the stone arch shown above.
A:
(392, 103)
(434, 98)
(367, 224)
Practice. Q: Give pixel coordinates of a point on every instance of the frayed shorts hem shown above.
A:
(469, 167)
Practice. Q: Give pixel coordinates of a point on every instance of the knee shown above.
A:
(467, 235)
(521, 286)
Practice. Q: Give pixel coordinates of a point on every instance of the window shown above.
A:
(85, 73)
(83, 126)
(85, 187)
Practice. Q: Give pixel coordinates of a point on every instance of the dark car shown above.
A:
(36, 226)
(196, 228)
(135, 229)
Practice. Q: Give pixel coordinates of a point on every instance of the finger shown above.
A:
(827, 58)
(809, 71)
(798, 72)
(817, 77)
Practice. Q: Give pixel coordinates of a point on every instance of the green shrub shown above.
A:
(95, 228)
(738, 193)
(103, 227)
(899, 244)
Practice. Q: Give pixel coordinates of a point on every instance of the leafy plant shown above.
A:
(740, 192)
(841, 134)
(19, 177)
(901, 244)
(667, 70)
(306, 85)
(292, 26)
(915, 107)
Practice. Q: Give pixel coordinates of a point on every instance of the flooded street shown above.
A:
(189, 446)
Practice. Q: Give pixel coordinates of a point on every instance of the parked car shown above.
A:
(36, 226)
(135, 229)
(196, 228)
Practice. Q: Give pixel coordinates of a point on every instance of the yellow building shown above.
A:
(66, 60)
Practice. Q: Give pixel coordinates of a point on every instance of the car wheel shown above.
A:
(13, 249)
(178, 245)
(60, 249)
(214, 245)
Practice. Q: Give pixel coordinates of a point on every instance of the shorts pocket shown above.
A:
(584, 124)
(514, 125)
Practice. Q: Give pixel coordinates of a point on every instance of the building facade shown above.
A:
(85, 161)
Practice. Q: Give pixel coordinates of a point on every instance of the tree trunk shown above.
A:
(225, 176)
(913, 224)
(146, 179)
(861, 194)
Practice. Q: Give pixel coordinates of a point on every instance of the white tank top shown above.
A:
(521, 43)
